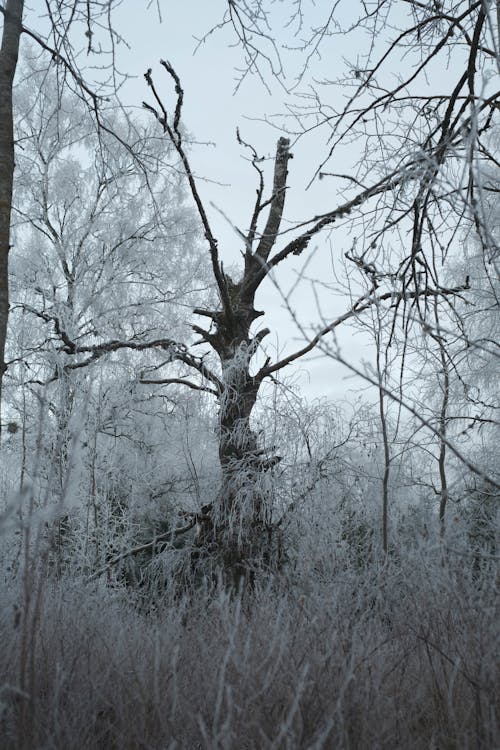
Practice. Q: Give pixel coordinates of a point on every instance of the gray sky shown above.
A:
(212, 112)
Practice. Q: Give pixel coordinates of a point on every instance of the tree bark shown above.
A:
(235, 532)
(9, 53)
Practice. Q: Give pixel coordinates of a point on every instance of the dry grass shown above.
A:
(399, 655)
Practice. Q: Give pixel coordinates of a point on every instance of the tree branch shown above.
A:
(360, 306)
(161, 538)
(180, 381)
(175, 137)
(272, 227)
(178, 352)
(300, 243)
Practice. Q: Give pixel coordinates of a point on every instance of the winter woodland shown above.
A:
(196, 551)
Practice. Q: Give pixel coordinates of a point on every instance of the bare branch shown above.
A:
(272, 227)
(175, 137)
(180, 381)
(164, 538)
(360, 306)
(300, 243)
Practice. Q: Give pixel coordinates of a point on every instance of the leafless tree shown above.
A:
(416, 189)
(418, 98)
(93, 18)
(240, 518)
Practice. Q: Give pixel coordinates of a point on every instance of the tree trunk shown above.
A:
(236, 531)
(9, 52)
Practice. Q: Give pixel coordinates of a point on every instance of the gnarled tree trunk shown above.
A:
(236, 530)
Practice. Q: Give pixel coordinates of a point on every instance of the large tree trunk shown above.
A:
(9, 52)
(236, 534)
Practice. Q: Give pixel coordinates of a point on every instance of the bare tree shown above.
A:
(418, 97)
(94, 17)
(416, 186)
(240, 519)
(101, 252)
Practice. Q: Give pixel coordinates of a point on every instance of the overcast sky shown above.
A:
(212, 112)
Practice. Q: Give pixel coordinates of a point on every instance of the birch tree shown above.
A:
(55, 38)
(103, 254)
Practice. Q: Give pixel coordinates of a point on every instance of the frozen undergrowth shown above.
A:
(401, 654)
